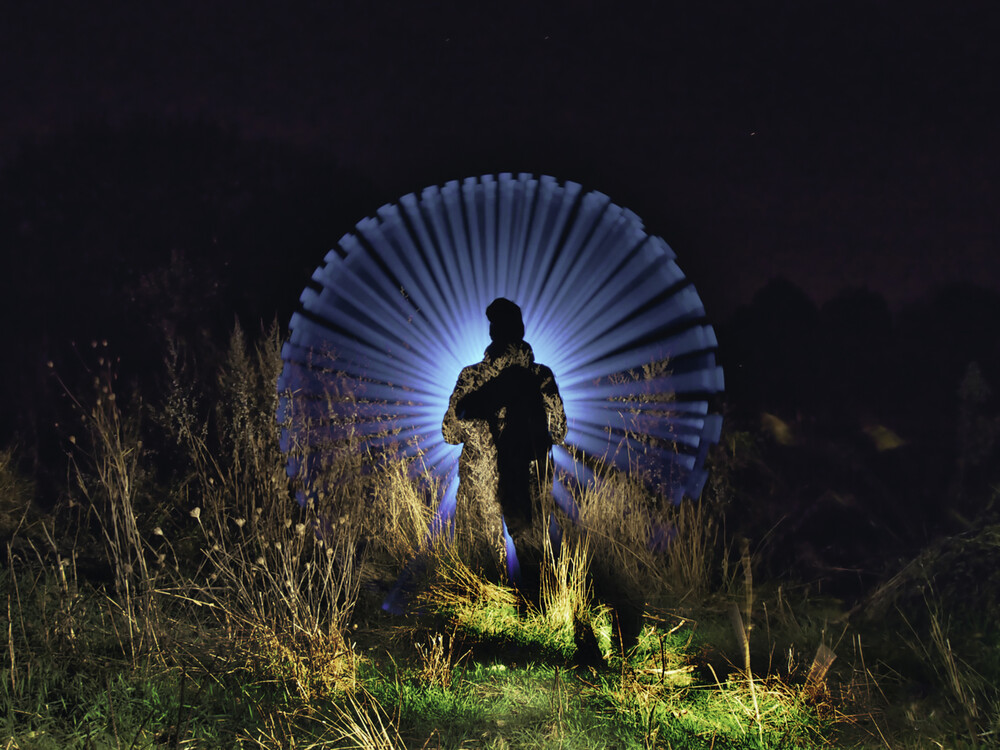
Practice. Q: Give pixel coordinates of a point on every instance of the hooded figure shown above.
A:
(507, 412)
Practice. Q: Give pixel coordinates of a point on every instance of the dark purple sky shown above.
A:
(834, 143)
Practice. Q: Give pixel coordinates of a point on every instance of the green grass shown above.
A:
(476, 666)
(651, 698)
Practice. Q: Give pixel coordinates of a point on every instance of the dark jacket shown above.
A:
(508, 413)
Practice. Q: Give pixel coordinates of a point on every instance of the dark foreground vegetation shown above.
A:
(176, 595)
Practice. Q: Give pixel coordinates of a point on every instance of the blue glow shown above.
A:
(513, 566)
(398, 308)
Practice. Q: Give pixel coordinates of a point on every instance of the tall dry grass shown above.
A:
(649, 543)
(210, 553)
(107, 468)
(282, 578)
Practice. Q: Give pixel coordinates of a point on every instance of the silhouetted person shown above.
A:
(507, 412)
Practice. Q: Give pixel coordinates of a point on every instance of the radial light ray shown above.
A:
(398, 308)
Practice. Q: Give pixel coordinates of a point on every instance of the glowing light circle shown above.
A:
(397, 309)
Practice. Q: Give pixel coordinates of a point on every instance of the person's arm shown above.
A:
(452, 428)
(553, 407)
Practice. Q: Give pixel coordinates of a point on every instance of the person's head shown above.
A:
(506, 325)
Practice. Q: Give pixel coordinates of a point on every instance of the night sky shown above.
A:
(833, 143)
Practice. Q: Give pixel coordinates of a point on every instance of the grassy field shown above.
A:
(178, 596)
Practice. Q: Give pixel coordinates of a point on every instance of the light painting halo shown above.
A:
(398, 308)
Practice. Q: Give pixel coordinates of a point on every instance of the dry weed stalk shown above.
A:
(283, 578)
(566, 589)
(364, 725)
(457, 586)
(961, 680)
(650, 544)
(398, 516)
(438, 659)
(613, 514)
(693, 546)
(107, 468)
